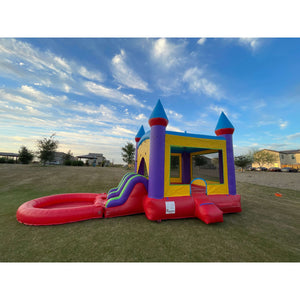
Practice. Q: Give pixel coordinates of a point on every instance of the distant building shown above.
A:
(93, 158)
(286, 158)
(9, 155)
(59, 158)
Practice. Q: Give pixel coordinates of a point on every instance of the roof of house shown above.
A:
(91, 155)
(9, 154)
(284, 151)
(290, 151)
(269, 150)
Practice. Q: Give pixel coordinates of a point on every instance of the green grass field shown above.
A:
(267, 230)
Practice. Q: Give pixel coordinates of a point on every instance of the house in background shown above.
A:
(9, 155)
(59, 158)
(290, 158)
(286, 158)
(93, 159)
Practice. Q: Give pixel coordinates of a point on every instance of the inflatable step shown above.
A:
(208, 212)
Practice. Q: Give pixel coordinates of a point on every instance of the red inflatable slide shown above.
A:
(67, 208)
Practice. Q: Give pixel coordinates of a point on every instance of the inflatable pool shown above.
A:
(60, 209)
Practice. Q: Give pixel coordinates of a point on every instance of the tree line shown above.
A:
(46, 151)
(48, 146)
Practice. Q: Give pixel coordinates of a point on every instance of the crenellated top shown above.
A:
(158, 116)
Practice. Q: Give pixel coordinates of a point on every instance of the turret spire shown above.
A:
(224, 126)
(158, 116)
(140, 133)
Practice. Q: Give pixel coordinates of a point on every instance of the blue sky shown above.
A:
(95, 93)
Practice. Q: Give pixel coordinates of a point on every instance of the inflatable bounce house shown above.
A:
(166, 183)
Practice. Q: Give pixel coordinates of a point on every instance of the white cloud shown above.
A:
(268, 120)
(67, 88)
(199, 84)
(161, 48)
(174, 114)
(218, 109)
(168, 54)
(170, 85)
(121, 131)
(62, 62)
(252, 43)
(42, 97)
(294, 136)
(125, 75)
(29, 111)
(21, 60)
(141, 117)
(283, 124)
(89, 74)
(201, 41)
(112, 94)
(15, 98)
(173, 128)
(265, 123)
(260, 104)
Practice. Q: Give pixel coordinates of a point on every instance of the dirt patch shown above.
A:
(273, 179)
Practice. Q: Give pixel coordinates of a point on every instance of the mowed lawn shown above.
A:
(267, 230)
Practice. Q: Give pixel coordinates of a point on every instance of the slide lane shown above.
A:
(115, 192)
(129, 185)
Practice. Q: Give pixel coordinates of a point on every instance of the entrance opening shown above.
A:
(208, 166)
(198, 186)
(143, 168)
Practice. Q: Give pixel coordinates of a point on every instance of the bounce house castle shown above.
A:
(165, 184)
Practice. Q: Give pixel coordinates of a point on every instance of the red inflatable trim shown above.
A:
(155, 209)
(224, 131)
(158, 121)
(190, 207)
(60, 209)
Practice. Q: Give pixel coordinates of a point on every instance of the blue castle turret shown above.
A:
(158, 122)
(225, 128)
(138, 136)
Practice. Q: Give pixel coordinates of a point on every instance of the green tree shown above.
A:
(200, 160)
(263, 157)
(47, 148)
(128, 153)
(67, 158)
(104, 161)
(243, 161)
(25, 156)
